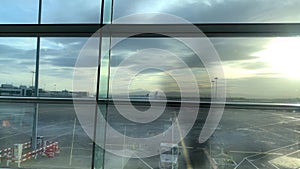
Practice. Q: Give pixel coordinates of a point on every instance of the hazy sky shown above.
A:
(253, 67)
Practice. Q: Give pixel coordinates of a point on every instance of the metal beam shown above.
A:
(172, 103)
(154, 30)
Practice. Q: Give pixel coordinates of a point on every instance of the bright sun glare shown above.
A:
(283, 56)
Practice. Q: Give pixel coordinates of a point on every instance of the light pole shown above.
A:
(33, 72)
(213, 86)
(216, 87)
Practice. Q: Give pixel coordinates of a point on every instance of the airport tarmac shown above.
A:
(245, 137)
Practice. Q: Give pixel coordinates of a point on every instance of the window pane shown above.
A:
(260, 69)
(18, 11)
(149, 67)
(58, 58)
(16, 124)
(210, 11)
(255, 69)
(71, 11)
(133, 130)
(17, 62)
(59, 123)
(270, 135)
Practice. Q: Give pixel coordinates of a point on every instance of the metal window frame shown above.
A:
(221, 30)
(155, 30)
(210, 30)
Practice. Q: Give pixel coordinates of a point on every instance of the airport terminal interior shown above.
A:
(143, 84)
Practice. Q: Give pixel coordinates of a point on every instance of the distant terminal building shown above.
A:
(24, 91)
(10, 90)
(63, 93)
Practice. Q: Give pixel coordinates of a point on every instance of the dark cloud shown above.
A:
(193, 61)
(129, 46)
(62, 62)
(6, 61)
(60, 58)
(16, 60)
(7, 51)
(64, 53)
(230, 49)
(116, 60)
(132, 46)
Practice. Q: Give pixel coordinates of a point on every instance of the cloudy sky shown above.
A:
(253, 67)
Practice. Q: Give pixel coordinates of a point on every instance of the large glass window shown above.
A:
(149, 67)
(212, 11)
(256, 69)
(260, 69)
(17, 62)
(266, 138)
(19, 11)
(16, 123)
(16, 127)
(259, 127)
(58, 58)
(63, 127)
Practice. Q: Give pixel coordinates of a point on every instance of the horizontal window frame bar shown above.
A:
(155, 30)
(171, 103)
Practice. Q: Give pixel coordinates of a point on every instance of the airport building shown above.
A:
(24, 91)
(112, 84)
(10, 90)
